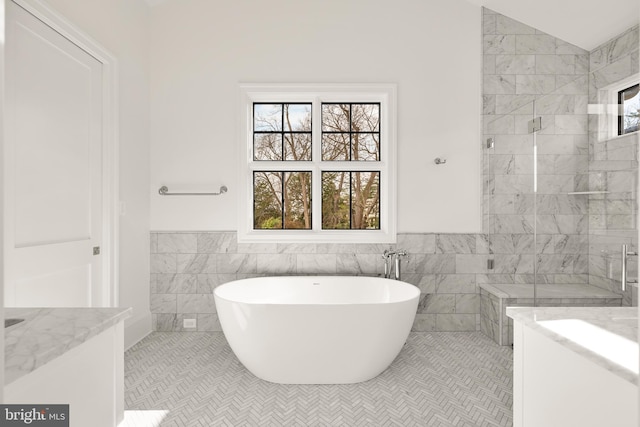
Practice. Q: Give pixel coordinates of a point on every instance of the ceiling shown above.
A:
(584, 23)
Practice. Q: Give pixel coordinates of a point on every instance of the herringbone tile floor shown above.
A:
(439, 379)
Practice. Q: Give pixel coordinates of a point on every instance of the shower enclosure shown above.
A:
(560, 206)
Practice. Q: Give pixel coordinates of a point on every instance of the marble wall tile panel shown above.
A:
(454, 283)
(365, 248)
(513, 144)
(206, 283)
(499, 44)
(166, 283)
(455, 243)
(360, 264)
(212, 243)
(197, 263)
(503, 164)
(437, 303)
(571, 124)
(612, 73)
(163, 303)
(424, 323)
(555, 184)
(163, 263)
(337, 248)
(467, 303)
(556, 104)
(425, 282)
(556, 144)
(536, 84)
(578, 85)
(488, 64)
(536, 44)
(489, 24)
(316, 263)
(417, 243)
(431, 264)
(513, 224)
(513, 184)
(276, 264)
(515, 64)
(508, 104)
(489, 104)
(177, 243)
(499, 84)
(513, 264)
(236, 263)
(196, 303)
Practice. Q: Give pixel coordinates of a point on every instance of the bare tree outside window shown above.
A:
(350, 200)
(282, 132)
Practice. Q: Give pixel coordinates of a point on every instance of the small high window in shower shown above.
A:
(629, 110)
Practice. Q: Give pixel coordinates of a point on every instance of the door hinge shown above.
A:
(96, 250)
(535, 125)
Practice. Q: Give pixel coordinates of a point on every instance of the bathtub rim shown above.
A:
(410, 288)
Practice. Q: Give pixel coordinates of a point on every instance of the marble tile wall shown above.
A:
(522, 65)
(187, 266)
(613, 165)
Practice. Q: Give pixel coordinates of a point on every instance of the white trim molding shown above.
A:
(316, 94)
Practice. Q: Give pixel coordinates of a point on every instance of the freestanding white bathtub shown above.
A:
(316, 329)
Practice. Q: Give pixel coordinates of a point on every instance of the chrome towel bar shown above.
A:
(164, 191)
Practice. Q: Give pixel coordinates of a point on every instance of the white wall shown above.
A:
(121, 26)
(201, 50)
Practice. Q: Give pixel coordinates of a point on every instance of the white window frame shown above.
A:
(609, 113)
(385, 94)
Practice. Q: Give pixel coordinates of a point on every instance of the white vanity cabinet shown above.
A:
(572, 369)
(71, 356)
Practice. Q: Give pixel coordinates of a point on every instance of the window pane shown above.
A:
(297, 117)
(297, 200)
(629, 100)
(267, 146)
(365, 200)
(335, 200)
(365, 146)
(267, 117)
(267, 200)
(335, 118)
(365, 118)
(297, 146)
(335, 146)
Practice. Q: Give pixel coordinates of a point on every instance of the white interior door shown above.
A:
(53, 166)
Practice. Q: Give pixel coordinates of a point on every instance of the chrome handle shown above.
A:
(624, 254)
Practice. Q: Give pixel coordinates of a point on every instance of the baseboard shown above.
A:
(136, 328)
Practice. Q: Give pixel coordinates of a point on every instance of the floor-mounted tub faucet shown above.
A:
(388, 256)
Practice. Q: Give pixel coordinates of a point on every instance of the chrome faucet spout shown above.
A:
(387, 255)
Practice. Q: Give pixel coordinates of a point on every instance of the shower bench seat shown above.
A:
(495, 298)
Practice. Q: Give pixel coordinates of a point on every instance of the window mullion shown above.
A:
(316, 165)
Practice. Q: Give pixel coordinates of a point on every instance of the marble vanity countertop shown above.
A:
(607, 336)
(47, 333)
